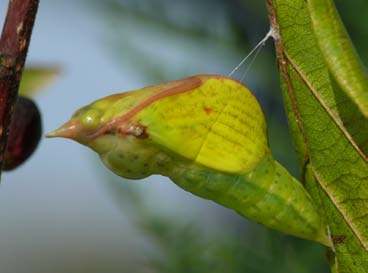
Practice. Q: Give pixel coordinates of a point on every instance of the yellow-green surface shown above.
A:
(218, 124)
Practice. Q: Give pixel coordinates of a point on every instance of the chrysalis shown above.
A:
(208, 134)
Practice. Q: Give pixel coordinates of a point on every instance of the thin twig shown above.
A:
(14, 44)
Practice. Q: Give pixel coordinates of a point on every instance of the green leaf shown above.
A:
(36, 78)
(329, 131)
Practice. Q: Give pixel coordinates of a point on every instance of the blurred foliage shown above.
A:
(183, 246)
(164, 40)
(36, 78)
(353, 14)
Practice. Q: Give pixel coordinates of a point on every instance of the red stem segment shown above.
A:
(14, 44)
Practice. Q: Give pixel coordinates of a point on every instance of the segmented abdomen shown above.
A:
(268, 195)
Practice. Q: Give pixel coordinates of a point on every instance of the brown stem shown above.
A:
(283, 66)
(14, 44)
(283, 62)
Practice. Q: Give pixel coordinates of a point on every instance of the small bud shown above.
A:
(24, 134)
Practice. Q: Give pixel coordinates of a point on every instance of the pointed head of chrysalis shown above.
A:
(210, 120)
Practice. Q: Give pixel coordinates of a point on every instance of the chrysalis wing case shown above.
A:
(208, 134)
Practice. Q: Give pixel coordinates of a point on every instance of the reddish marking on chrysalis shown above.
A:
(208, 110)
(184, 85)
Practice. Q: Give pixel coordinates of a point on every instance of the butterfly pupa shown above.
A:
(208, 134)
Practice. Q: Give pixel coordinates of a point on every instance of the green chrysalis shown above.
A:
(207, 133)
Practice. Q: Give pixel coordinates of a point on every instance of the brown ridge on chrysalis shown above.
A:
(183, 86)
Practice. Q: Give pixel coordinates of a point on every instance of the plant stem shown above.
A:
(14, 42)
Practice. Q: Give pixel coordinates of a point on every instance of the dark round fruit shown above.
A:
(25, 133)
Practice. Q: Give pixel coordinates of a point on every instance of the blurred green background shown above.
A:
(64, 212)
